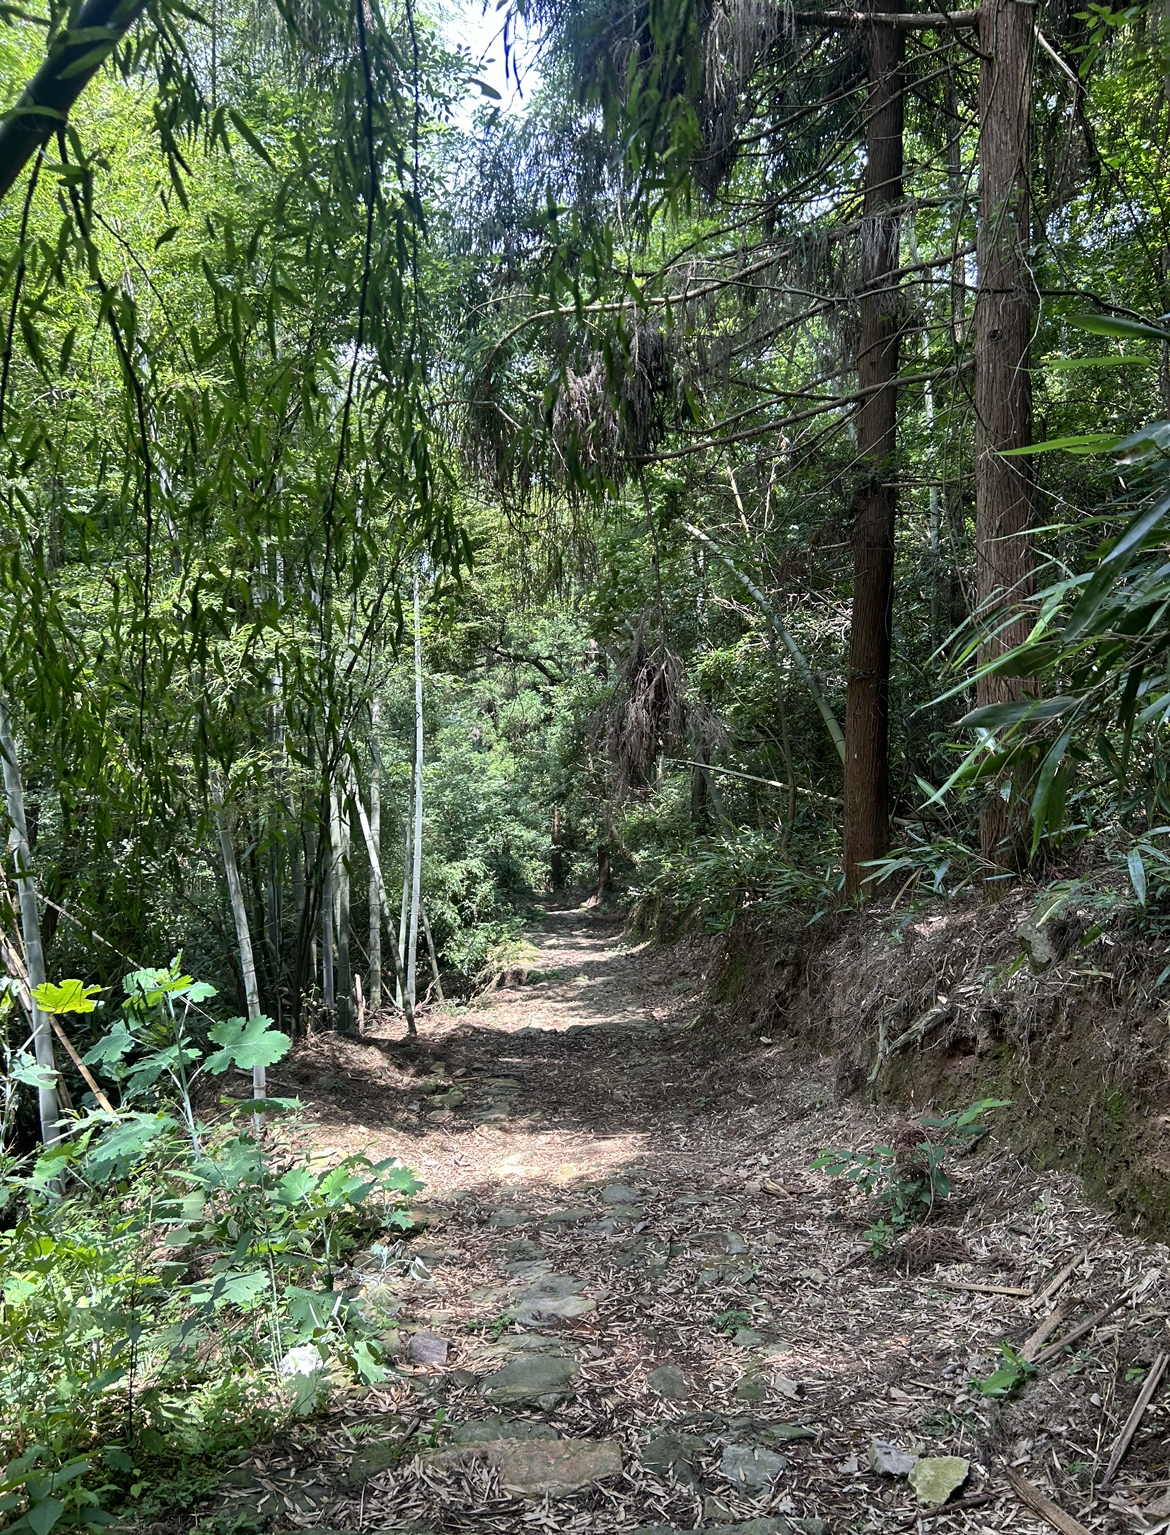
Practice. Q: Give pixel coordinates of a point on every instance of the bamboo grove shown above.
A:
(681, 433)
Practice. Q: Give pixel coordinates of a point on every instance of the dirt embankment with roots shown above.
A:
(1068, 1016)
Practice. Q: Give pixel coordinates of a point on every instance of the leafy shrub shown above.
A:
(909, 1179)
(160, 1269)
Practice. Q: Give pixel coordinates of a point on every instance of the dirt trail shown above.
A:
(609, 1325)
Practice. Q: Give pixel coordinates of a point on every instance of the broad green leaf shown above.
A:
(1109, 325)
(1085, 442)
(246, 1042)
(68, 997)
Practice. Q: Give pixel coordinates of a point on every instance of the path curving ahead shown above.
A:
(634, 1307)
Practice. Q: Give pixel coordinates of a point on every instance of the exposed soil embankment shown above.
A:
(954, 1003)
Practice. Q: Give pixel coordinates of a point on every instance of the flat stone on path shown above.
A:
(937, 1476)
(619, 1194)
(888, 1460)
(427, 1348)
(671, 1455)
(554, 1298)
(670, 1382)
(747, 1337)
(540, 1378)
(501, 1220)
(748, 1467)
(555, 1466)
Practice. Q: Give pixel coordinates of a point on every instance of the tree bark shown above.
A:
(867, 698)
(1005, 304)
(30, 927)
(75, 55)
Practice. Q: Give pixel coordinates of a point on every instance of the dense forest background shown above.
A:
(702, 403)
(729, 479)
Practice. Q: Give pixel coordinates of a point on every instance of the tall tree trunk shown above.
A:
(374, 980)
(1005, 305)
(407, 828)
(867, 699)
(383, 900)
(328, 995)
(30, 928)
(416, 870)
(339, 839)
(243, 937)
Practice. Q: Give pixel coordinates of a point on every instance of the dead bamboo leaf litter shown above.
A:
(605, 1142)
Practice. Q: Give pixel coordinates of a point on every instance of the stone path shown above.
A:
(610, 1324)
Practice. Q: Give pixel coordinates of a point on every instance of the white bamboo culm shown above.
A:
(243, 940)
(30, 927)
(383, 900)
(416, 870)
(374, 984)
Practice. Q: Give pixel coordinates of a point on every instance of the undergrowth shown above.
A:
(168, 1277)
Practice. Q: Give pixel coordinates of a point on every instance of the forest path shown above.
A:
(608, 1325)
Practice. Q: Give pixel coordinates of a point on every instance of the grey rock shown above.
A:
(529, 1268)
(670, 1382)
(746, 1466)
(450, 1100)
(672, 1454)
(730, 1243)
(552, 1298)
(427, 1348)
(568, 1217)
(495, 1427)
(935, 1477)
(619, 1194)
(602, 1228)
(689, 1201)
(538, 1378)
(371, 1459)
(888, 1460)
(462, 1378)
(557, 1466)
(502, 1220)
(747, 1337)
(751, 1388)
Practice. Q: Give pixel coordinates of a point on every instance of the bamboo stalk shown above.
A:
(30, 925)
(1125, 1438)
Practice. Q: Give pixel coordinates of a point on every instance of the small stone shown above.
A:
(602, 1228)
(556, 1467)
(935, 1477)
(888, 1460)
(671, 1455)
(531, 1378)
(619, 1194)
(728, 1242)
(568, 1217)
(461, 1378)
(554, 1308)
(670, 1382)
(746, 1466)
(752, 1388)
(427, 1348)
(369, 1460)
(747, 1337)
(502, 1220)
